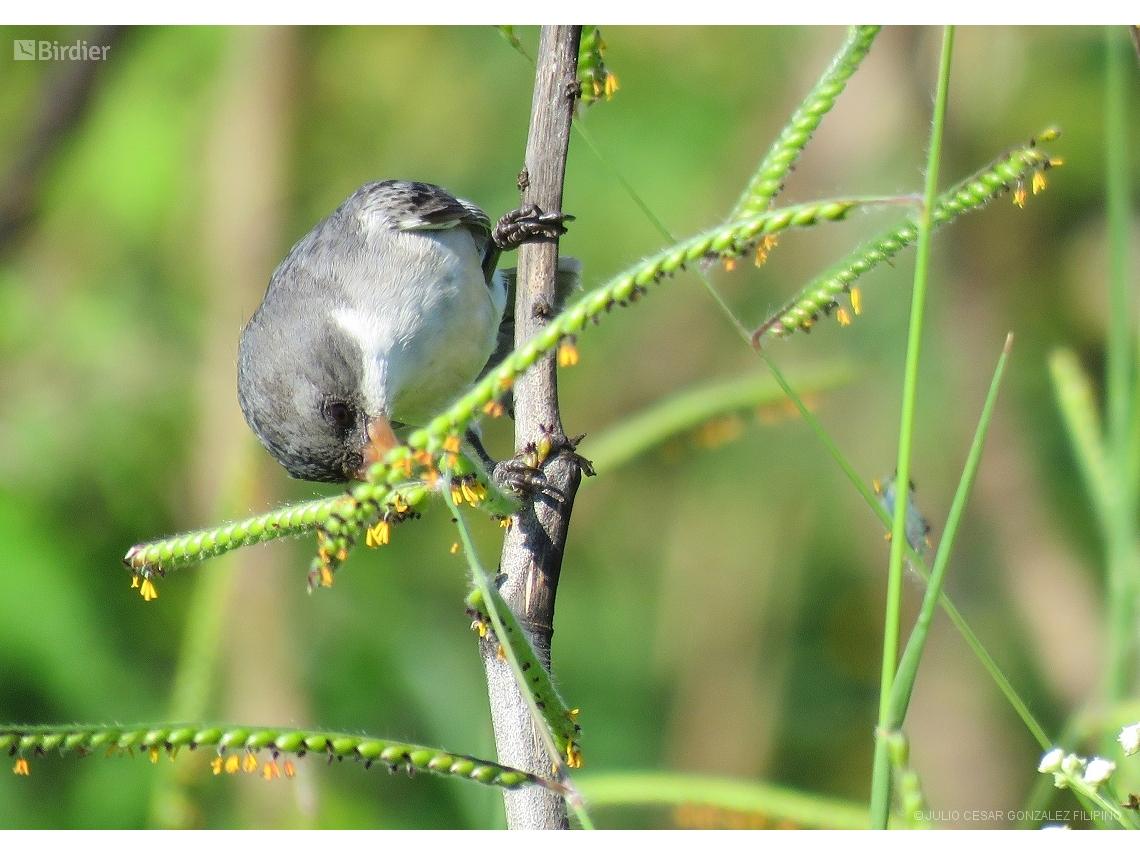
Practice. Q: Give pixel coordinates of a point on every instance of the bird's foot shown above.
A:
(527, 223)
(522, 474)
(516, 476)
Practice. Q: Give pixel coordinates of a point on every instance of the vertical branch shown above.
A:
(533, 548)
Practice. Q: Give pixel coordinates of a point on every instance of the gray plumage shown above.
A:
(384, 309)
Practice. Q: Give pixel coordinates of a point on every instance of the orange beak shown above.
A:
(381, 440)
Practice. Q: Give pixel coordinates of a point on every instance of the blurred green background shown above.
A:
(721, 607)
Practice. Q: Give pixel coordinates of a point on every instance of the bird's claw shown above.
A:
(527, 223)
(515, 476)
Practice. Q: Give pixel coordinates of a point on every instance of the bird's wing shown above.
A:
(414, 205)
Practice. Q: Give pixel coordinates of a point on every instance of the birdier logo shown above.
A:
(55, 52)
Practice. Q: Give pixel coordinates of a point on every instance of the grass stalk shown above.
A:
(912, 654)
(880, 783)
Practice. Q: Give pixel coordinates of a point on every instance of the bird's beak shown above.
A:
(381, 440)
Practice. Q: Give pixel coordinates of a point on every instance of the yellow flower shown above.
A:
(249, 764)
(456, 494)
(289, 770)
(270, 771)
(326, 577)
(135, 581)
(148, 591)
(451, 444)
(1019, 196)
(844, 318)
(154, 754)
(379, 534)
(399, 505)
(856, 301)
(21, 767)
(233, 763)
(216, 764)
(1038, 182)
(493, 408)
(765, 246)
(611, 85)
(573, 755)
(730, 264)
(505, 522)
(567, 354)
(454, 548)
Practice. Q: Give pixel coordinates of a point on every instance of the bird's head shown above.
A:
(300, 389)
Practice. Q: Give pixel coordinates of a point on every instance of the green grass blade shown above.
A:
(1077, 402)
(960, 623)
(880, 784)
(778, 804)
(691, 408)
(912, 654)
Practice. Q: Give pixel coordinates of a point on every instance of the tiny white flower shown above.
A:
(1051, 762)
(1098, 771)
(1130, 738)
(1060, 781)
(1073, 765)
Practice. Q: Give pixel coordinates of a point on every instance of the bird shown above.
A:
(380, 317)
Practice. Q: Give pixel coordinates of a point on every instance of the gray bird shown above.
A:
(383, 314)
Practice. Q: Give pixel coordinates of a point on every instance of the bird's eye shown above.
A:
(338, 413)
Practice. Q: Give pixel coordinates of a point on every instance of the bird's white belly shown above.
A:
(436, 330)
